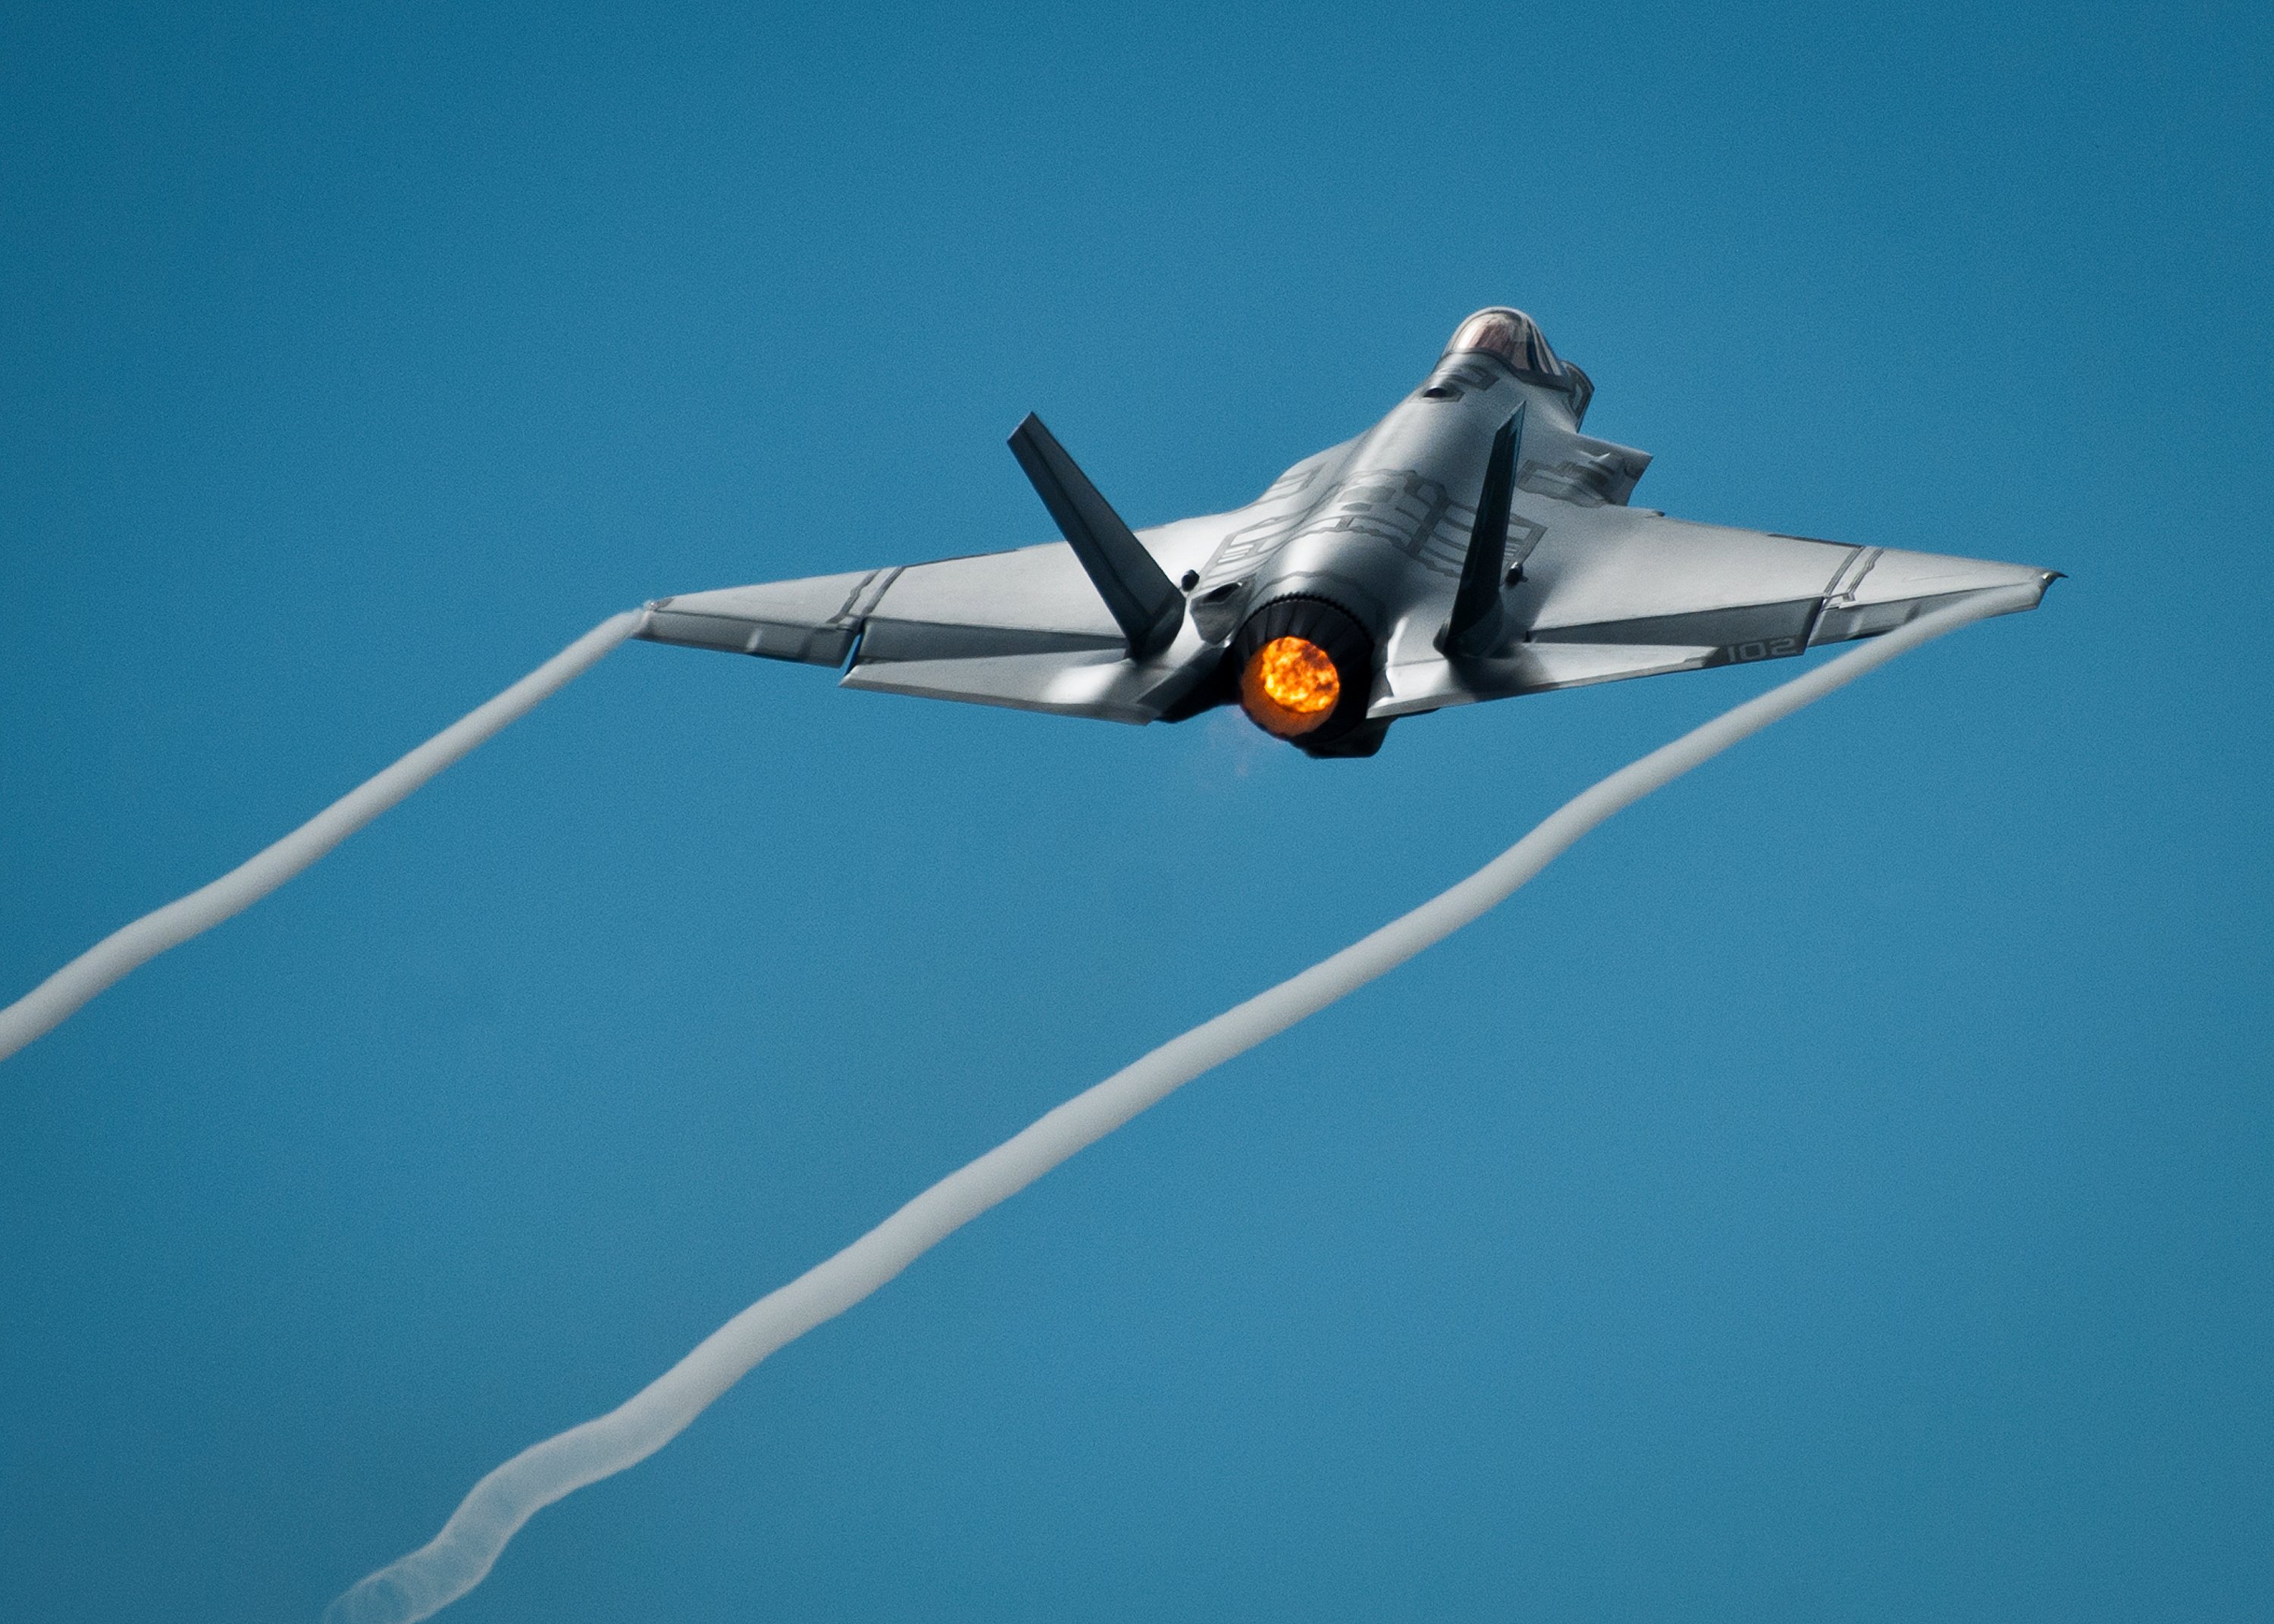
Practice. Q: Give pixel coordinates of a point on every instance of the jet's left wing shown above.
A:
(1027, 629)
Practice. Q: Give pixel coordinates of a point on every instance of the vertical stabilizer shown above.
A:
(1143, 601)
(1473, 628)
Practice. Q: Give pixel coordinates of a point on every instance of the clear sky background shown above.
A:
(1838, 1189)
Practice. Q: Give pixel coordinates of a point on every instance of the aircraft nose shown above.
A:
(1887, 588)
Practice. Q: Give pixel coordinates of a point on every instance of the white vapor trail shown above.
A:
(55, 1000)
(459, 1557)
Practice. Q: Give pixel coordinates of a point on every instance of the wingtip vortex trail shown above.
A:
(459, 1557)
(376, 1600)
(125, 949)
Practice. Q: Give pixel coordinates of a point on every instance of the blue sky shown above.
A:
(1840, 1188)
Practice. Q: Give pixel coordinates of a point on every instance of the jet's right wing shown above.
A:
(1608, 592)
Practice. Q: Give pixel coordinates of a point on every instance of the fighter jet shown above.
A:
(1473, 545)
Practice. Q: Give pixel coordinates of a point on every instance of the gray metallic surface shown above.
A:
(1593, 590)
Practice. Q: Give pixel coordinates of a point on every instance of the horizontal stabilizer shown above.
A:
(1100, 683)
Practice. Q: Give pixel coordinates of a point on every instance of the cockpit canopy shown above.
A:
(1511, 335)
(1514, 338)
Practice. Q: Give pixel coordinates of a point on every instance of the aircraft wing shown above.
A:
(1608, 592)
(1026, 628)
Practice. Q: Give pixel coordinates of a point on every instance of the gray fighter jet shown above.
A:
(1473, 545)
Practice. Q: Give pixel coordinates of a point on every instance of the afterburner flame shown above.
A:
(1290, 686)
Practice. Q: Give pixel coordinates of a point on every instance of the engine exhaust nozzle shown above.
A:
(1304, 669)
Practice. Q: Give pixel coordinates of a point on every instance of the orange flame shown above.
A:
(1290, 686)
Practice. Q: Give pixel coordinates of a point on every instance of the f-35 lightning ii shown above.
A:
(1473, 545)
